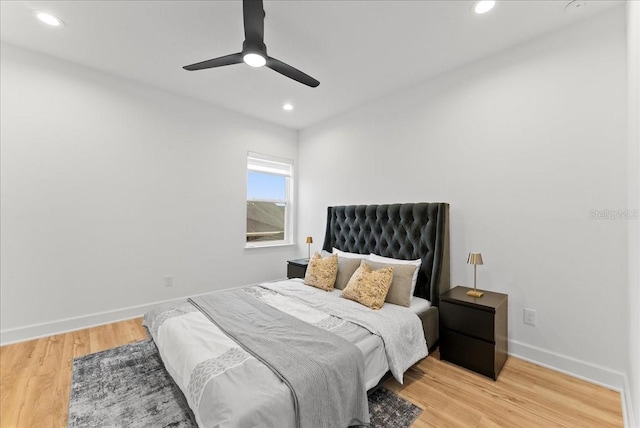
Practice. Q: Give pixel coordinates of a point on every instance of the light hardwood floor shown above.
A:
(35, 379)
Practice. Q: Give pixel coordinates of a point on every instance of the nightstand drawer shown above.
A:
(471, 353)
(467, 320)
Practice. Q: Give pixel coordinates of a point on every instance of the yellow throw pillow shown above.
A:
(321, 272)
(369, 287)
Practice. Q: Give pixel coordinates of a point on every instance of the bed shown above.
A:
(400, 231)
(314, 355)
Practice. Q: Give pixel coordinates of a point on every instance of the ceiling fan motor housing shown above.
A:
(254, 46)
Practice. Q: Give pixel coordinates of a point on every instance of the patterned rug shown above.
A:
(129, 387)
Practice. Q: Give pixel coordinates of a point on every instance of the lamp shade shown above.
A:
(309, 240)
(475, 259)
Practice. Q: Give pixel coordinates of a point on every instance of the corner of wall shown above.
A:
(631, 397)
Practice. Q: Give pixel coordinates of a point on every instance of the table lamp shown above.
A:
(309, 242)
(474, 259)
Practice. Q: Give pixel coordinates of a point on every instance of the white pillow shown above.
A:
(416, 263)
(350, 255)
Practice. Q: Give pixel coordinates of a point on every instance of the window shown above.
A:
(269, 189)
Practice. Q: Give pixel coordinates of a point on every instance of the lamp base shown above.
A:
(475, 293)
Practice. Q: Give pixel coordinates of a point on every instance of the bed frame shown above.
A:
(400, 231)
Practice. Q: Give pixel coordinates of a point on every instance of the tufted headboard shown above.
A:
(400, 231)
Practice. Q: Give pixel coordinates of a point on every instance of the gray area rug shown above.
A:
(129, 387)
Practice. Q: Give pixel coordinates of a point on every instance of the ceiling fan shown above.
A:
(254, 51)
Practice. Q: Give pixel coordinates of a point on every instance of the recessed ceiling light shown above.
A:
(287, 107)
(49, 19)
(484, 6)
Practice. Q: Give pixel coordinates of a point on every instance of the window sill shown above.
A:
(269, 245)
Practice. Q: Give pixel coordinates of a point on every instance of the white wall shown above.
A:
(523, 145)
(108, 186)
(633, 78)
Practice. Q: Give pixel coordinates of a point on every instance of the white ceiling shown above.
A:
(358, 50)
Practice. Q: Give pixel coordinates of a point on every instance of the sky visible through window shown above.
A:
(266, 186)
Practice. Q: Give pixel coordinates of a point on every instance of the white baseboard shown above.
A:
(627, 406)
(580, 369)
(35, 331)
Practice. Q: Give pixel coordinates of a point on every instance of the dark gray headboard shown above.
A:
(401, 231)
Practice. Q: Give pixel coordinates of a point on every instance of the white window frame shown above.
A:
(257, 162)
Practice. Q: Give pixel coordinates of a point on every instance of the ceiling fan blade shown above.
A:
(235, 58)
(291, 72)
(253, 14)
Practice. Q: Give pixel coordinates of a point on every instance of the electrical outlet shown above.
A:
(529, 316)
(168, 281)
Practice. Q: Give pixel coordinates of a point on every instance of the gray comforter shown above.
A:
(227, 387)
(323, 371)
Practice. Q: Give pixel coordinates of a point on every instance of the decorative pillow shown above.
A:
(400, 290)
(417, 263)
(346, 267)
(369, 287)
(321, 272)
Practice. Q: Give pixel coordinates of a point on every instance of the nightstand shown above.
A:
(473, 330)
(297, 268)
